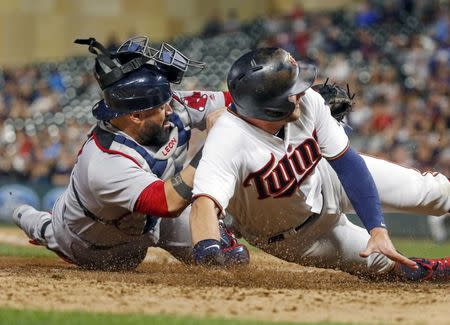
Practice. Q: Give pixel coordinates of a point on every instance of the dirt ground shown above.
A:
(268, 289)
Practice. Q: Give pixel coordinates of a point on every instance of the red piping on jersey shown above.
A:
(81, 149)
(340, 154)
(153, 201)
(82, 146)
(177, 99)
(218, 205)
(113, 152)
(227, 98)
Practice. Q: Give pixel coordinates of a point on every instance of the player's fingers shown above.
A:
(391, 254)
(399, 258)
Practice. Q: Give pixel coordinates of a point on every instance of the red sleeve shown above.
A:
(152, 200)
(228, 99)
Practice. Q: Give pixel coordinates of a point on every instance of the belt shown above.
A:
(292, 231)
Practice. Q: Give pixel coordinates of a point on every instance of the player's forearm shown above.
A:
(179, 188)
(203, 220)
(167, 198)
(360, 188)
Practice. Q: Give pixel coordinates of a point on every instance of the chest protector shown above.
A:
(164, 162)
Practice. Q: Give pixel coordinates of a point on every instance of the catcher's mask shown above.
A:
(171, 61)
(137, 77)
(133, 54)
(261, 82)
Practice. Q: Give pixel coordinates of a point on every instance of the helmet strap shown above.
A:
(104, 57)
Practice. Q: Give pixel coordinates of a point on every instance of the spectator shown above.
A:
(55, 81)
(213, 26)
(232, 23)
(366, 15)
(401, 77)
(112, 44)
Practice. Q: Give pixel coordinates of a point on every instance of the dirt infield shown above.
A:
(268, 289)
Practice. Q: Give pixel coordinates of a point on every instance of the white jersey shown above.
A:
(269, 184)
(112, 170)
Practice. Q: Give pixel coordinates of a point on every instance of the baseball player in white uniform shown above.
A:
(128, 183)
(287, 174)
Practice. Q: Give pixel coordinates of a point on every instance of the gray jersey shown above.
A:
(112, 170)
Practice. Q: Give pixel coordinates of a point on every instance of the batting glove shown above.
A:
(226, 252)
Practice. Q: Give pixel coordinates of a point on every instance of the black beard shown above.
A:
(153, 134)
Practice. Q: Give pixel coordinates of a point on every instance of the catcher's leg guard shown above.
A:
(436, 269)
(33, 222)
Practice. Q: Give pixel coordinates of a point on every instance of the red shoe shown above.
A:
(36, 242)
(433, 269)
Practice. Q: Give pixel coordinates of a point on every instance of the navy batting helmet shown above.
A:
(261, 81)
(143, 89)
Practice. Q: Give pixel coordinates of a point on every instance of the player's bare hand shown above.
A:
(212, 118)
(380, 242)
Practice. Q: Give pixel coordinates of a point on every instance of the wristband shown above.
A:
(184, 190)
(196, 159)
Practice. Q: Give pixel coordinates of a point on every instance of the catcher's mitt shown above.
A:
(339, 100)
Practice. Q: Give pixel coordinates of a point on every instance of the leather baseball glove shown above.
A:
(339, 100)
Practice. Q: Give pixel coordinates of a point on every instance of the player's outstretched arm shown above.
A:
(380, 242)
(362, 193)
(168, 198)
(178, 189)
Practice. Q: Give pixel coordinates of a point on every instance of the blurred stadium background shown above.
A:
(394, 54)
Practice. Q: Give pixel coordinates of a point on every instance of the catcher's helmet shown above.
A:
(137, 76)
(135, 53)
(261, 81)
(142, 89)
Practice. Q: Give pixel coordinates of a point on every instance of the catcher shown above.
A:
(287, 174)
(128, 189)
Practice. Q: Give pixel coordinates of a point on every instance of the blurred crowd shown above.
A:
(395, 55)
(38, 142)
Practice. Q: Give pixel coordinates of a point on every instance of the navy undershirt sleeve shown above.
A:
(360, 188)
